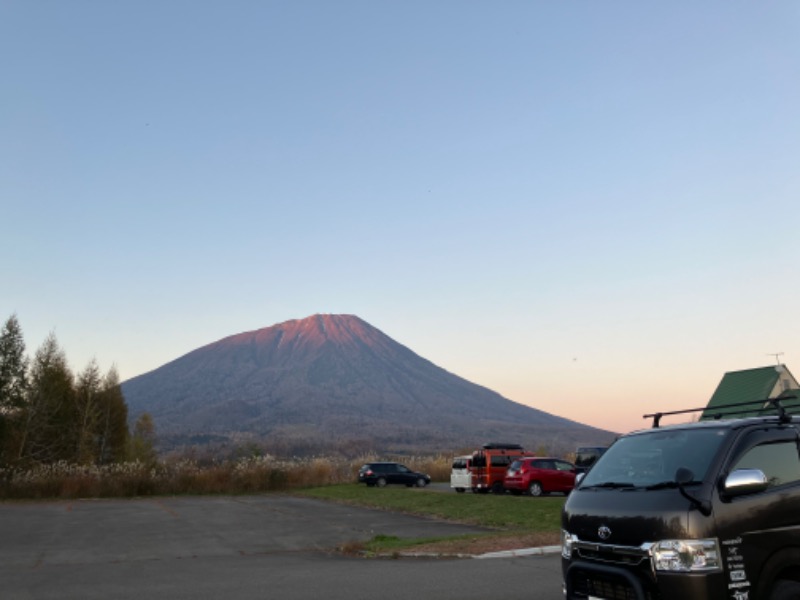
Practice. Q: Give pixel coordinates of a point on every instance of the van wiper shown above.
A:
(668, 484)
(613, 485)
(662, 485)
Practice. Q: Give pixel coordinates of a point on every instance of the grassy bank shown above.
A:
(515, 521)
(520, 513)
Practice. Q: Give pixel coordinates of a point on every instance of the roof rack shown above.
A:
(757, 408)
(501, 446)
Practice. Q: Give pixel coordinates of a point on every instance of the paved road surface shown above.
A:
(236, 548)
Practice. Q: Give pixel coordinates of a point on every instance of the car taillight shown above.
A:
(369, 472)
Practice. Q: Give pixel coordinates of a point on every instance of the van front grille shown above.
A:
(590, 584)
(621, 555)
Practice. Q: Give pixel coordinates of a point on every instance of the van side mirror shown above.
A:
(579, 477)
(744, 481)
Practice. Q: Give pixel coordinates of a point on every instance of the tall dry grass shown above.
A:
(253, 474)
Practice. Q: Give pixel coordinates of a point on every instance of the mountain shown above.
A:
(333, 382)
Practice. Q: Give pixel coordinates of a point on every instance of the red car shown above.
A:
(538, 475)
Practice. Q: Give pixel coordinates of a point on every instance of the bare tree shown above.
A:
(89, 413)
(142, 444)
(112, 432)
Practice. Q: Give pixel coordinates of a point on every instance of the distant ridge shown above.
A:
(333, 382)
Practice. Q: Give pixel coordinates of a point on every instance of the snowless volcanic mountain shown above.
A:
(334, 382)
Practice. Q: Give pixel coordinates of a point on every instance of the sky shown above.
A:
(590, 208)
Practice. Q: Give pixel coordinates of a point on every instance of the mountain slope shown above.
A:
(334, 380)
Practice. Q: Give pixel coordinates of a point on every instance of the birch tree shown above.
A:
(13, 385)
(88, 398)
(142, 444)
(112, 431)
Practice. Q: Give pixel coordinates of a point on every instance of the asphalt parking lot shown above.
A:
(269, 546)
(148, 529)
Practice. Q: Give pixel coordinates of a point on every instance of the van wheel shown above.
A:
(381, 482)
(535, 489)
(785, 589)
(460, 490)
(421, 482)
(498, 488)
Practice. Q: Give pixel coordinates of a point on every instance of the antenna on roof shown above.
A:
(776, 355)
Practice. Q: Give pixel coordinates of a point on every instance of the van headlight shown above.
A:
(685, 556)
(566, 543)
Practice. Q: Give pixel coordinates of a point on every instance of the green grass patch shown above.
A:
(520, 514)
(389, 544)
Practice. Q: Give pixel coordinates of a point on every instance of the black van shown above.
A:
(704, 510)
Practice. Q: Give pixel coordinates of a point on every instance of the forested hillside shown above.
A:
(334, 382)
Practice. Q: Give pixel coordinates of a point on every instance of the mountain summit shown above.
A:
(333, 381)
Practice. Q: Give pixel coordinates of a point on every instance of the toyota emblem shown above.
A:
(604, 532)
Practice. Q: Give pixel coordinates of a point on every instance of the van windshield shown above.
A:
(652, 458)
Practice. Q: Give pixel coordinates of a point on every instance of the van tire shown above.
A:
(535, 489)
(421, 482)
(785, 589)
(498, 488)
(460, 490)
(380, 482)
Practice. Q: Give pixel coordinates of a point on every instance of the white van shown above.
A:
(461, 474)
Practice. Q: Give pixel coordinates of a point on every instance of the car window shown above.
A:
(516, 465)
(402, 469)
(779, 462)
(563, 465)
(501, 461)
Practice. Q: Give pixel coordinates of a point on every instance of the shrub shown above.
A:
(251, 474)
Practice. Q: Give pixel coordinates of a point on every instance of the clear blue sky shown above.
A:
(589, 207)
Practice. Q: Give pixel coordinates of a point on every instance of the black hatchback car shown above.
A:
(382, 473)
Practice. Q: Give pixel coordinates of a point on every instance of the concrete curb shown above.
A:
(521, 552)
(541, 551)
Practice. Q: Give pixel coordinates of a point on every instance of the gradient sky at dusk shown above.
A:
(592, 208)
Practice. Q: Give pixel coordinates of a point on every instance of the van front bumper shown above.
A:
(586, 579)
